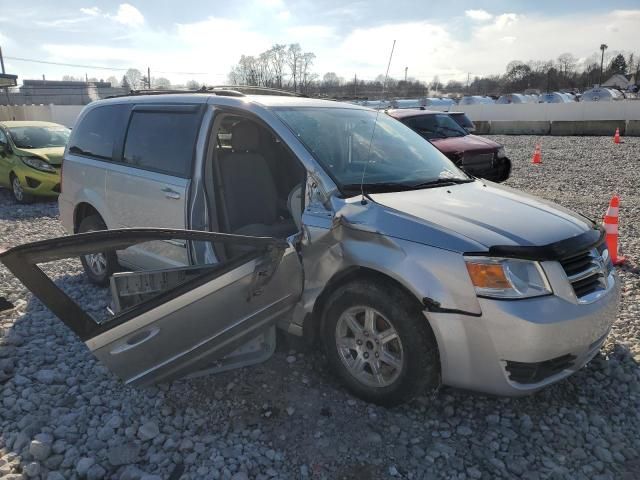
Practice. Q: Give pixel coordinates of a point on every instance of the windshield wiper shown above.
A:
(378, 187)
(441, 182)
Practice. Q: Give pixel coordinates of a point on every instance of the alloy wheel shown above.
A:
(97, 262)
(369, 346)
(18, 191)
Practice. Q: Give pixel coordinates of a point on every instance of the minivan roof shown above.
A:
(267, 101)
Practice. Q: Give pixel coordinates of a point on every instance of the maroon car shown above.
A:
(478, 156)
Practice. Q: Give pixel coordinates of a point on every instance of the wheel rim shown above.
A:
(369, 346)
(18, 192)
(97, 263)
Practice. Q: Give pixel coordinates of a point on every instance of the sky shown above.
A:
(185, 39)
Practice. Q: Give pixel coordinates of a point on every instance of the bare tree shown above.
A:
(306, 77)
(294, 56)
(192, 85)
(161, 83)
(134, 78)
(567, 64)
(278, 60)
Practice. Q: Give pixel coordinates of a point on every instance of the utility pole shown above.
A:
(355, 85)
(6, 89)
(405, 74)
(468, 78)
(86, 78)
(148, 78)
(603, 47)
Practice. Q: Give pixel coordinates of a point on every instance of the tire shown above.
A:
(413, 367)
(18, 192)
(99, 266)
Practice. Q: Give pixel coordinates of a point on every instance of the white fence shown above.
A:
(528, 112)
(553, 112)
(63, 114)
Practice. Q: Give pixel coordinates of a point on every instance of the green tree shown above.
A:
(618, 65)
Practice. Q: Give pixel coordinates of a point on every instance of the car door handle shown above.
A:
(170, 193)
(135, 340)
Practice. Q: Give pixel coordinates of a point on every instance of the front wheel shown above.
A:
(98, 266)
(379, 343)
(18, 191)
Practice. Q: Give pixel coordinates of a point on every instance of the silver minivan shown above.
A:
(213, 217)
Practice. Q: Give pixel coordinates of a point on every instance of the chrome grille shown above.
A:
(587, 273)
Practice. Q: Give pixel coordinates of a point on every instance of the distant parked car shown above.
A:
(601, 95)
(31, 158)
(478, 156)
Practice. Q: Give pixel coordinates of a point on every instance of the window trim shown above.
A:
(185, 109)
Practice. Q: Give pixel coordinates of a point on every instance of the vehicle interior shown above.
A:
(258, 183)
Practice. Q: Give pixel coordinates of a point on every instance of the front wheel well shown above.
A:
(82, 211)
(312, 323)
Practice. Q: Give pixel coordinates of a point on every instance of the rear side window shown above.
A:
(162, 141)
(98, 131)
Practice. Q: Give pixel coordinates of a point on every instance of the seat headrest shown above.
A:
(245, 136)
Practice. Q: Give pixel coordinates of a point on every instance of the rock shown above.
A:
(473, 472)
(55, 476)
(373, 437)
(291, 359)
(464, 430)
(240, 476)
(96, 472)
(46, 376)
(603, 454)
(148, 431)
(83, 465)
(31, 469)
(39, 450)
(123, 454)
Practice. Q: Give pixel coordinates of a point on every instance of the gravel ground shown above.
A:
(65, 416)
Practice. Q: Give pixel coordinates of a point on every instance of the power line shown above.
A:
(95, 67)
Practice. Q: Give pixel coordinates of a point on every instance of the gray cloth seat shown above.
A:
(248, 188)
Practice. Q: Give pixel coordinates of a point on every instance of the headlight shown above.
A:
(507, 277)
(38, 164)
(500, 153)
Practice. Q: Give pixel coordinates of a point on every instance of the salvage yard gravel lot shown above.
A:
(63, 415)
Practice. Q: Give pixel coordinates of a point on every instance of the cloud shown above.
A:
(129, 15)
(478, 15)
(284, 15)
(92, 11)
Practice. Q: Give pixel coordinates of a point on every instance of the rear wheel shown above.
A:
(379, 343)
(18, 191)
(98, 266)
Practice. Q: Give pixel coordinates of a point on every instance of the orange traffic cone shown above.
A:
(611, 229)
(537, 155)
(616, 137)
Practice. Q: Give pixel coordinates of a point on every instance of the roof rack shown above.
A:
(256, 90)
(210, 90)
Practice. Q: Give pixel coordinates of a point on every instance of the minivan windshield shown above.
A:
(398, 159)
(39, 137)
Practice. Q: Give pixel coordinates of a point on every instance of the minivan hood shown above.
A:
(464, 144)
(53, 155)
(488, 214)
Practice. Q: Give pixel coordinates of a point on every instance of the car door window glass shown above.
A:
(98, 131)
(162, 141)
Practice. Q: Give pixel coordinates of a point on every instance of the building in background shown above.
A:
(59, 92)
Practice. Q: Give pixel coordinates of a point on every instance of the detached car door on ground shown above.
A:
(167, 323)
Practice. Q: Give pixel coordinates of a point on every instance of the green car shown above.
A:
(31, 158)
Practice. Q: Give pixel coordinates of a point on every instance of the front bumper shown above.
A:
(35, 182)
(518, 347)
